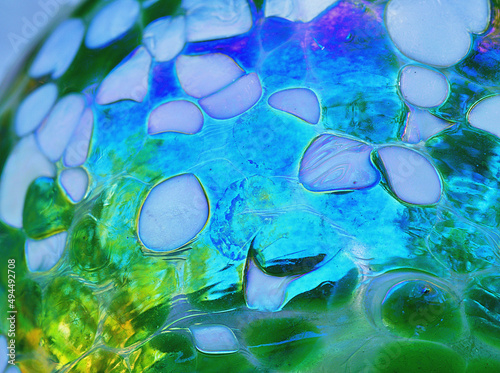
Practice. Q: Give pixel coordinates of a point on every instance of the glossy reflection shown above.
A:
(414, 305)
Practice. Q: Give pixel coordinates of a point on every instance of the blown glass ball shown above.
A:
(254, 186)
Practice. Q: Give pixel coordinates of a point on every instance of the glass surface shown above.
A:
(254, 186)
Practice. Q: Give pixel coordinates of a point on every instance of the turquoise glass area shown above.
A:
(254, 186)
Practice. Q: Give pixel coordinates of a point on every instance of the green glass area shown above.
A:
(46, 210)
(421, 309)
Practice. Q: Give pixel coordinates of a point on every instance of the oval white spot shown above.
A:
(25, 164)
(215, 19)
(485, 115)
(203, 75)
(176, 116)
(301, 102)
(165, 37)
(35, 108)
(58, 52)
(422, 86)
(78, 146)
(75, 182)
(128, 81)
(55, 132)
(434, 32)
(233, 100)
(111, 22)
(334, 163)
(411, 176)
(214, 339)
(174, 212)
(43, 255)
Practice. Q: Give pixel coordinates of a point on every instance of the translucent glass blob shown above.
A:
(34, 108)
(435, 32)
(421, 125)
(42, 255)
(174, 212)
(75, 182)
(301, 102)
(262, 291)
(411, 176)
(203, 75)
(216, 19)
(296, 10)
(59, 50)
(78, 146)
(413, 305)
(485, 115)
(233, 100)
(214, 339)
(112, 21)
(128, 81)
(175, 116)
(165, 37)
(54, 134)
(334, 163)
(422, 86)
(476, 14)
(25, 164)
